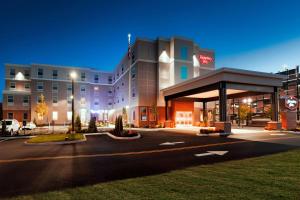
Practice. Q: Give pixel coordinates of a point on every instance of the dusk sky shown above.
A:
(260, 35)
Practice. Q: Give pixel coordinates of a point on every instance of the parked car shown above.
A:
(29, 126)
(12, 126)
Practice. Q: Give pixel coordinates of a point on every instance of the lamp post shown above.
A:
(73, 76)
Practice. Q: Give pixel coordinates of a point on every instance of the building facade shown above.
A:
(134, 86)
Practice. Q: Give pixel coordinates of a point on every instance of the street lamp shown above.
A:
(73, 76)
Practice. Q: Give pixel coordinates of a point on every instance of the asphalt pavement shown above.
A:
(26, 169)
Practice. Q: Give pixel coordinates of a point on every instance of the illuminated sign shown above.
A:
(205, 59)
(291, 102)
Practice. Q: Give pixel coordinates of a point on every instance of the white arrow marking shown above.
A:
(171, 143)
(210, 153)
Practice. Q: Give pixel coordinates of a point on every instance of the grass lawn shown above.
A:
(56, 138)
(269, 177)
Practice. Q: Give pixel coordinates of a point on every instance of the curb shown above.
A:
(54, 143)
(122, 138)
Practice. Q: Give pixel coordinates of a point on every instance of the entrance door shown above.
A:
(183, 119)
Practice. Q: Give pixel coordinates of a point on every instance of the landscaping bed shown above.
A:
(56, 138)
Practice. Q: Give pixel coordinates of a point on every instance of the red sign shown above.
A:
(205, 59)
(291, 103)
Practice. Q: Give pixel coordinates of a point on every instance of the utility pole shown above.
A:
(129, 80)
(297, 88)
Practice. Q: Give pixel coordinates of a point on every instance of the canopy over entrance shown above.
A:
(223, 84)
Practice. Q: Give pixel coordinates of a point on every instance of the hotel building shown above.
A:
(164, 79)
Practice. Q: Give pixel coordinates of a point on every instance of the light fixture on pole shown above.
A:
(73, 76)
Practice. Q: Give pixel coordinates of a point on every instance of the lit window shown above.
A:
(69, 115)
(184, 53)
(54, 115)
(143, 111)
(183, 72)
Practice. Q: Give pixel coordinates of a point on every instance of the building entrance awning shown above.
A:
(226, 83)
(238, 82)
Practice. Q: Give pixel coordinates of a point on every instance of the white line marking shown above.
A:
(277, 134)
(171, 143)
(210, 153)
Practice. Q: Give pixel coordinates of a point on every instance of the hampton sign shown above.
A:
(291, 103)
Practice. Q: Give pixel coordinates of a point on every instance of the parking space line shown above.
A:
(135, 153)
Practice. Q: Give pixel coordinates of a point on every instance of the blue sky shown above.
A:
(249, 34)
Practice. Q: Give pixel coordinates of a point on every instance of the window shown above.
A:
(27, 86)
(40, 73)
(82, 76)
(12, 73)
(183, 72)
(54, 74)
(27, 73)
(143, 111)
(38, 99)
(54, 99)
(109, 93)
(25, 116)
(96, 78)
(10, 115)
(122, 70)
(122, 84)
(54, 115)
(69, 87)
(54, 87)
(69, 115)
(110, 80)
(152, 114)
(133, 72)
(40, 86)
(184, 53)
(82, 89)
(133, 115)
(96, 103)
(82, 101)
(25, 100)
(69, 100)
(10, 100)
(12, 85)
(133, 92)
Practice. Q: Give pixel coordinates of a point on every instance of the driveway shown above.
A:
(28, 169)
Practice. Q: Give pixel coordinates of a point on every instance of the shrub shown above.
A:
(92, 128)
(119, 126)
(3, 127)
(210, 130)
(77, 125)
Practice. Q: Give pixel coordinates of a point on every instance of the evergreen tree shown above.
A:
(92, 125)
(77, 124)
